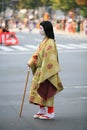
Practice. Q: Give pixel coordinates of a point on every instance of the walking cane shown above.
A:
(21, 108)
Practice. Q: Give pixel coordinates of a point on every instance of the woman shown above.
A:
(45, 67)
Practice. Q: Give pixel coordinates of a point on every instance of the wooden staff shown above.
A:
(23, 97)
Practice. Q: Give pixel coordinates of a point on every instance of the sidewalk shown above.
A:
(81, 34)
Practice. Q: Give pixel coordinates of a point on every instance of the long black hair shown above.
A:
(48, 28)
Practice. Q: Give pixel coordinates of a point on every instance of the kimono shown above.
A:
(46, 82)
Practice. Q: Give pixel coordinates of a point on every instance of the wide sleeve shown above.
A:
(32, 62)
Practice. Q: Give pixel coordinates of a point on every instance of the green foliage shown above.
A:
(46, 2)
(33, 3)
(67, 5)
(83, 11)
(29, 4)
(64, 5)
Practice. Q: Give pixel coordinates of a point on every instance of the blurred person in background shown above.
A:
(85, 26)
(31, 23)
(46, 16)
(78, 28)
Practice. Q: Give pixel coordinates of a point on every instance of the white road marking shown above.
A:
(31, 47)
(83, 98)
(78, 46)
(20, 48)
(5, 48)
(71, 51)
(61, 48)
(39, 40)
(31, 51)
(76, 87)
(65, 46)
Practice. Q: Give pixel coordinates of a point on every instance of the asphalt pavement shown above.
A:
(70, 104)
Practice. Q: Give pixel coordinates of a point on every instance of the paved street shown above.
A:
(70, 104)
(28, 43)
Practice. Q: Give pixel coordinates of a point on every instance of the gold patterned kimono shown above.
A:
(45, 67)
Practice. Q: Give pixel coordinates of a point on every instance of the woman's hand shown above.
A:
(30, 62)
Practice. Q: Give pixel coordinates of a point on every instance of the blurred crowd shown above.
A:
(72, 26)
(65, 24)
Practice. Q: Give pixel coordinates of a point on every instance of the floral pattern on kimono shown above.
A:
(45, 66)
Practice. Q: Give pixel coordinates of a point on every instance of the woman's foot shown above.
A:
(41, 112)
(47, 116)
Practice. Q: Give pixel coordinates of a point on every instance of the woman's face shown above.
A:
(42, 32)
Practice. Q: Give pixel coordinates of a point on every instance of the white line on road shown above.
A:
(5, 48)
(16, 53)
(36, 39)
(71, 51)
(75, 87)
(20, 48)
(31, 46)
(83, 97)
(65, 46)
(79, 46)
(31, 52)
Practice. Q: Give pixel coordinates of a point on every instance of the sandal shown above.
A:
(41, 112)
(47, 116)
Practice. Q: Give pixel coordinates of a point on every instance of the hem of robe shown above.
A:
(41, 101)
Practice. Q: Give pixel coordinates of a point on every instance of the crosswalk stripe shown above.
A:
(66, 47)
(33, 47)
(79, 46)
(82, 46)
(20, 48)
(5, 48)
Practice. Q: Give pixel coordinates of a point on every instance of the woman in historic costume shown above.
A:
(45, 67)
